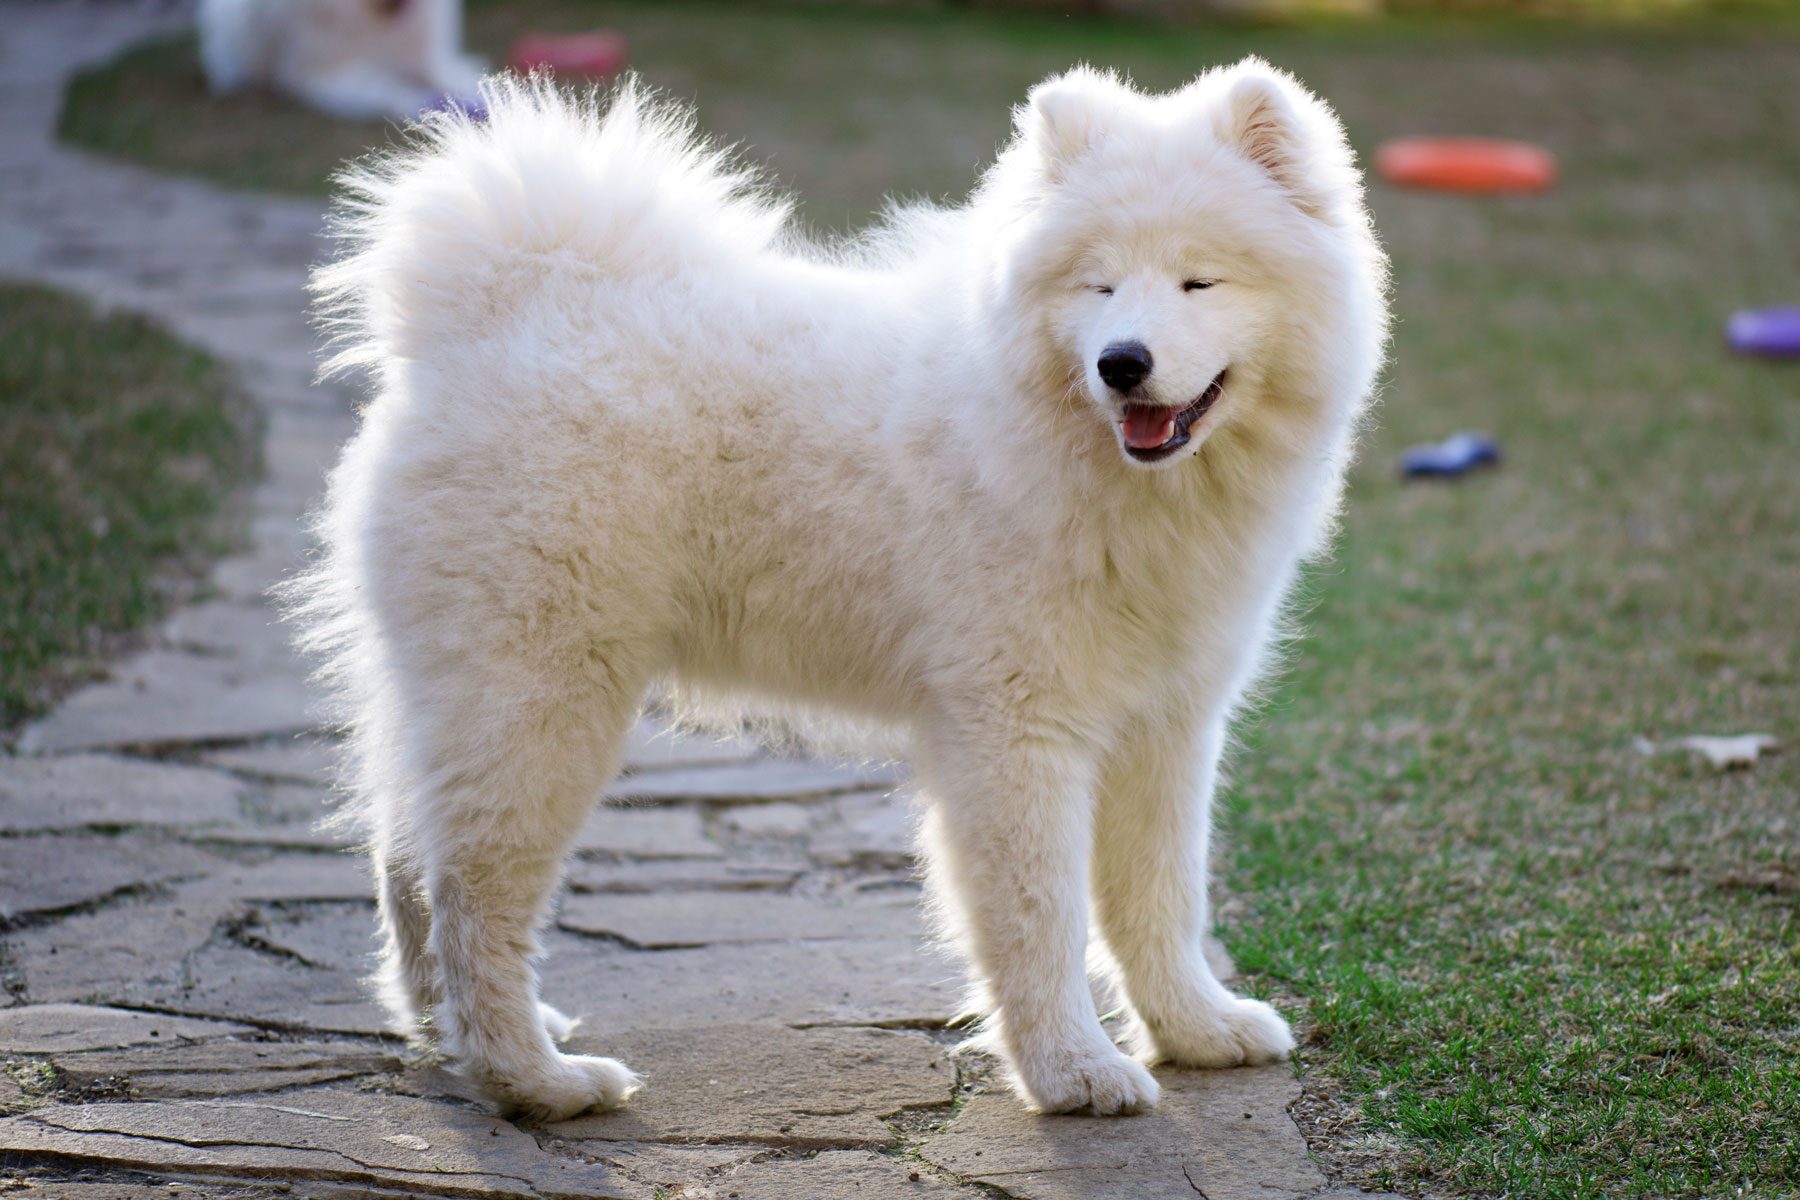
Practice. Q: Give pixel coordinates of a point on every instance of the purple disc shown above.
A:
(1769, 332)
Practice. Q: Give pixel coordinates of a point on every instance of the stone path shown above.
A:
(184, 949)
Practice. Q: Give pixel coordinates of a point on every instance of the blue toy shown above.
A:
(1455, 455)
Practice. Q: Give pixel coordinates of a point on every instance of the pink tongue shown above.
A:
(1146, 428)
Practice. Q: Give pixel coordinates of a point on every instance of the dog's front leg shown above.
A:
(1009, 838)
(1151, 845)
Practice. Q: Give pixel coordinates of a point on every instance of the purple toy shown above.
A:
(1765, 332)
(469, 106)
(1455, 455)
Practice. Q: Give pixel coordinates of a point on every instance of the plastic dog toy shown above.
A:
(1455, 455)
(596, 54)
(1765, 332)
(1480, 165)
(469, 106)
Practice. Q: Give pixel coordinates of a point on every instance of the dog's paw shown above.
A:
(558, 1024)
(574, 1084)
(1235, 1033)
(1102, 1081)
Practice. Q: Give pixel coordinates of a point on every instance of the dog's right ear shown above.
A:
(1062, 116)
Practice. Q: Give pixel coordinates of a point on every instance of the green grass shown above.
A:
(117, 446)
(1532, 961)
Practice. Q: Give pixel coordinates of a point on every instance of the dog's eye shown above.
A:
(1197, 285)
(1102, 288)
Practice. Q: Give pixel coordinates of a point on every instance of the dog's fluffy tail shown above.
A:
(440, 234)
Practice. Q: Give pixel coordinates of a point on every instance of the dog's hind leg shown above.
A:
(408, 976)
(516, 771)
(1150, 867)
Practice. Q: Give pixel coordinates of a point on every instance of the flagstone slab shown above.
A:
(131, 954)
(767, 1083)
(232, 981)
(676, 1168)
(1225, 1135)
(115, 1188)
(680, 875)
(49, 873)
(210, 956)
(80, 791)
(287, 878)
(340, 936)
(875, 829)
(245, 632)
(220, 1068)
(850, 1174)
(165, 698)
(290, 834)
(327, 1135)
(768, 779)
(73, 1028)
(877, 981)
(636, 831)
(309, 760)
(252, 578)
(300, 445)
(676, 919)
(776, 819)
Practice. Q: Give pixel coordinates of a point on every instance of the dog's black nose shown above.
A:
(1124, 365)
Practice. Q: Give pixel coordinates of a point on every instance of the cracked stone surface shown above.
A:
(740, 783)
(45, 874)
(647, 833)
(862, 981)
(872, 828)
(1251, 1149)
(861, 1174)
(769, 1084)
(163, 698)
(68, 1028)
(667, 920)
(291, 760)
(317, 1134)
(682, 875)
(80, 791)
(204, 1070)
(184, 948)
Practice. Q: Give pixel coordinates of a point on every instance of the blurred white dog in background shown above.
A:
(358, 59)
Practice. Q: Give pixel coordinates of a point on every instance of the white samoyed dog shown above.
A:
(1025, 480)
(357, 59)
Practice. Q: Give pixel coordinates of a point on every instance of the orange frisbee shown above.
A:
(1483, 165)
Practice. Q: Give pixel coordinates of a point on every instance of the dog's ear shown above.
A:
(1061, 116)
(1269, 118)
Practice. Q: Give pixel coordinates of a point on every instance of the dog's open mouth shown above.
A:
(1153, 432)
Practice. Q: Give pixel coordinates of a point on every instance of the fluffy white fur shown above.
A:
(629, 429)
(351, 58)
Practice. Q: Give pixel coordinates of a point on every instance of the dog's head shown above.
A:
(1169, 244)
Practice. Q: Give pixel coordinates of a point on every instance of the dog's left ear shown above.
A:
(1270, 119)
(1063, 115)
